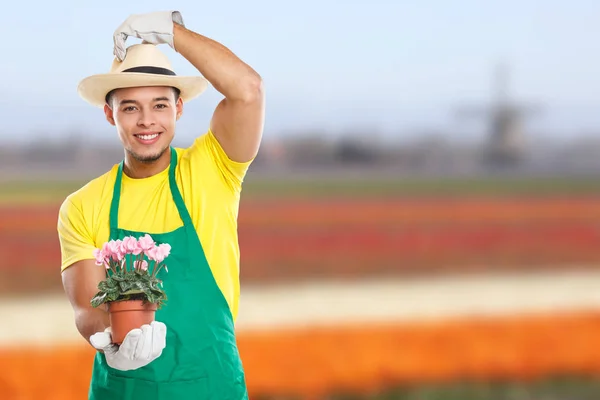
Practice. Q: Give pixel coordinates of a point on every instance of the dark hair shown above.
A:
(110, 94)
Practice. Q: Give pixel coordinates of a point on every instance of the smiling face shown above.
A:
(145, 119)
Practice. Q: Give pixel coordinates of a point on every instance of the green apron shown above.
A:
(201, 358)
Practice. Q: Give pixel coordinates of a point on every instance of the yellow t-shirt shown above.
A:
(210, 184)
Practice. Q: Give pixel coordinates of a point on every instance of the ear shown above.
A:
(178, 108)
(109, 114)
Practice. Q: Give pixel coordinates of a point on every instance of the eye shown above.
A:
(161, 105)
(129, 108)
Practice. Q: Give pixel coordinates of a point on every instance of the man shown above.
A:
(188, 197)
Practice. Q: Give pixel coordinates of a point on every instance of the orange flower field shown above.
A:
(361, 359)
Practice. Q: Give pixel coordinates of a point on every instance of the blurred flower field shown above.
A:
(336, 236)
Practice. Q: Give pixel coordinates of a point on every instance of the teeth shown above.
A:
(148, 137)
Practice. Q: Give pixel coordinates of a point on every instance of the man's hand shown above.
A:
(140, 347)
(154, 28)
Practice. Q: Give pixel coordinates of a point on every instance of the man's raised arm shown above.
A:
(238, 120)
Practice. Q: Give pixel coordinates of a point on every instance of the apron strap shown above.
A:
(114, 205)
(183, 211)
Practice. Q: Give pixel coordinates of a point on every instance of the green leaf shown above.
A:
(125, 284)
(98, 299)
(112, 296)
(111, 283)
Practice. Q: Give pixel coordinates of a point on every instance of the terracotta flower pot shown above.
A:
(126, 315)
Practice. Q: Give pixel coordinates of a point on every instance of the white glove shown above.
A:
(155, 28)
(139, 348)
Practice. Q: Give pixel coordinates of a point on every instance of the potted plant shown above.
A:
(131, 290)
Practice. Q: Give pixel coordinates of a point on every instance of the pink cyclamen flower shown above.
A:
(151, 253)
(146, 243)
(159, 253)
(106, 252)
(116, 250)
(141, 265)
(130, 245)
(165, 250)
(99, 256)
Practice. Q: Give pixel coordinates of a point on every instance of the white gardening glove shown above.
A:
(139, 348)
(155, 28)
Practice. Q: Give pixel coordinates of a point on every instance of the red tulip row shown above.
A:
(406, 211)
(330, 212)
(292, 239)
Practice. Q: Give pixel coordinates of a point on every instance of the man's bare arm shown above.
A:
(80, 282)
(238, 120)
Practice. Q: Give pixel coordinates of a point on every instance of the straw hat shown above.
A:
(144, 65)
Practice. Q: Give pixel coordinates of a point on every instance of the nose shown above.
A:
(145, 119)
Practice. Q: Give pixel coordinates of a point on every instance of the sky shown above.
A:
(388, 68)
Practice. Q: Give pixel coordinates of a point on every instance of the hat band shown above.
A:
(151, 70)
(145, 70)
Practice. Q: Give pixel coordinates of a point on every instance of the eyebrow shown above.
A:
(127, 101)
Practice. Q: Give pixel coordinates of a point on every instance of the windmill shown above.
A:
(506, 144)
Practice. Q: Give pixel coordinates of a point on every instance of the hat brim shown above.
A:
(94, 89)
